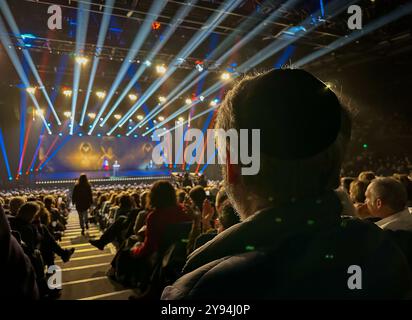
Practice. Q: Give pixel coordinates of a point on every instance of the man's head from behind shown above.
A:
(385, 197)
(303, 135)
(15, 204)
(28, 211)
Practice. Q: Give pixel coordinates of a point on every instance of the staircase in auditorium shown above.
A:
(84, 276)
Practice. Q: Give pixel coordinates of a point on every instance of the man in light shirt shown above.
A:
(386, 199)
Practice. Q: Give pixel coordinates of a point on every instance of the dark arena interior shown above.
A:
(206, 150)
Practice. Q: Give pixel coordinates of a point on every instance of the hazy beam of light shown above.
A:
(394, 15)
(55, 151)
(11, 51)
(144, 30)
(228, 47)
(194, 42)
(335, 8)
(403, 10)
(81, 31)
(5, 158)
(12, 23)
(177, 20)
(104, 26)
(26, 139)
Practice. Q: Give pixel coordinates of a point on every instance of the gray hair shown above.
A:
(390, 191)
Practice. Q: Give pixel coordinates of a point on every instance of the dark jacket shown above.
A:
(301, 250)
(18, 276)
(82, 197)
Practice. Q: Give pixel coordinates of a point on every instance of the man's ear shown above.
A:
(378, 203)
(233, 170)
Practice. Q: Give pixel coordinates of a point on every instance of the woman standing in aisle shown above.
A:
(82, 198)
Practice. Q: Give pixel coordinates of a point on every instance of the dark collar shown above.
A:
(268, 228)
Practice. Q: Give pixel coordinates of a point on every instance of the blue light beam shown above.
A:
(194, 42)
(177, 20)
(144, 30)
(81, 31)
(11, 51)
(100, 42)
(14, 28)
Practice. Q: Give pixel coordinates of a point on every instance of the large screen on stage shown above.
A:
(86, 153)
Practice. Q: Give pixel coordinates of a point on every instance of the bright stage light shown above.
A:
(147, 63)
(67, 114)
(162, 99)
(161, 69)
(181, 119)
(225, 76)
(92, 115)
(154, 121)
(40, 112)
(132, 97)
(139, 117)
(201, 98)
(67, 93)
(161, 118)
(31, 90)
(81, 60)
(199, 67)
(101, 94)
(214, 102)
(117, 116)
(188, 101)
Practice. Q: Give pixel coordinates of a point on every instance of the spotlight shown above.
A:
(31, 90)
(147, 63)
(199, 67)
(101, 94)
(67, 93)
(162, 99)
(161, 118)
(60, 134)
(214, 102)
(135, 136)
(201, 98)
(154, 121)
(161, 69)
(225, 76)
(91, 115)
(99, 135)
(155, 25)
(188, 101)
(139, 117)
(82, 60)
(40, 112)
(67, 114)
(117, 116)
(132, 97)
(181, 119)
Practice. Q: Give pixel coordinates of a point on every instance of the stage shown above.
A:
(100, 176)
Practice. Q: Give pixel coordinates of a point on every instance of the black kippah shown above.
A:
(298, 116)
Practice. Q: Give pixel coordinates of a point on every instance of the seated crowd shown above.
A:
(133, 218)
